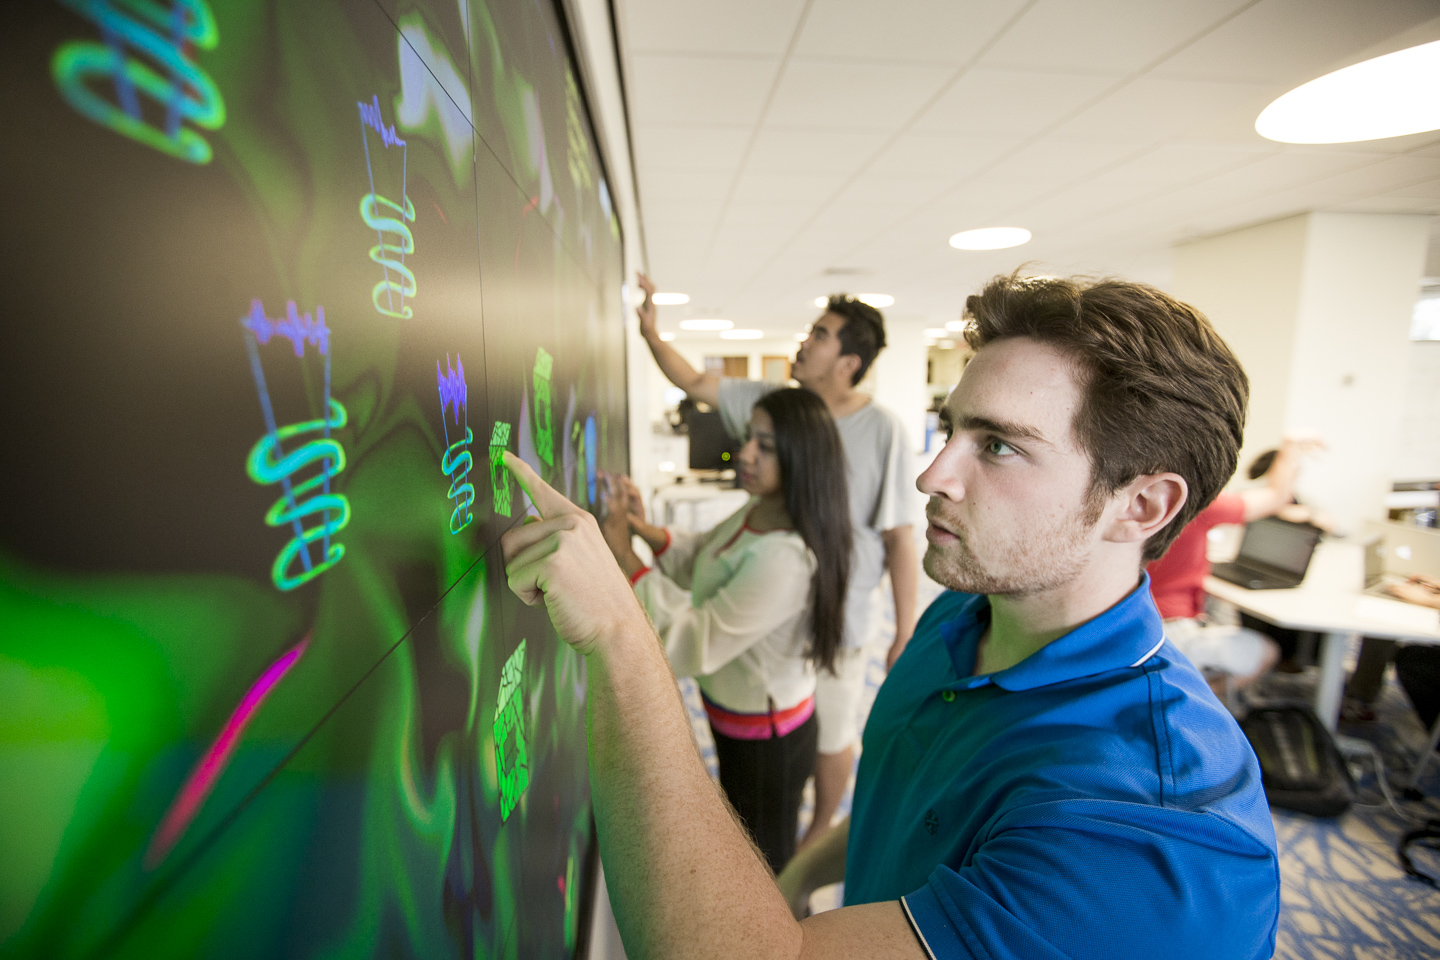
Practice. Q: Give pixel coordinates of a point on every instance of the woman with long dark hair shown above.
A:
(754, 607)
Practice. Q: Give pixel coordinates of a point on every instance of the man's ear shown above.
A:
(1144, 506)
(847, 365)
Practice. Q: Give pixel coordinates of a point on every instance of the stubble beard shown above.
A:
(1019, 566)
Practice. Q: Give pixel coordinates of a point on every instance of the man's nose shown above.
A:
(943, 478)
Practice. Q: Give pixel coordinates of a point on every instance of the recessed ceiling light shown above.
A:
(822, 301)
(670, 299)
(1388, 96)
(876, 300)
(935, 332)
(802, 336)
(990, 238)
(954, 326)
(705, 324)
(741, 334)
(667, 337)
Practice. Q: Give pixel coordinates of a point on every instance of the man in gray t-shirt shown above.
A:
(840, 347)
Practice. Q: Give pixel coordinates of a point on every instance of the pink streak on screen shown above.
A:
(203, 778)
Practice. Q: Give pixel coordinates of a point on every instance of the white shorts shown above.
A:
(837, 699)
(1237, 651)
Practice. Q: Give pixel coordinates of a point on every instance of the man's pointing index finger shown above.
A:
(549, 501)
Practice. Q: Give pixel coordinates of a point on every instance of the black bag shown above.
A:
(1300, 765)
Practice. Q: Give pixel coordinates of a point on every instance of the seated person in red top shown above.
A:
(1177, 579)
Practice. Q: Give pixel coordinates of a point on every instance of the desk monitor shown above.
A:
(711, 447)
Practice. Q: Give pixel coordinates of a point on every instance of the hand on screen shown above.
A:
(635, 506)
(615, 519)
(646, 310)
(564, 561)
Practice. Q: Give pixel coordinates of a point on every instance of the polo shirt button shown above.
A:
(947, 695)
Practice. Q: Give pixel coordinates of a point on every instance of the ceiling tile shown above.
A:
(852, 96)
(756, 187)
(948, 155)
(683, 186)
(699, 90)
(1111, 37)
(698, 26)
(1289, 42)
(812, 151)
(907, 31)
(690, 147)
(994, 101)
(1153, 108)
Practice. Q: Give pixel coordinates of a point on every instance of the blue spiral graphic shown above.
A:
(268, 464)
(456, 464)
(390, 254)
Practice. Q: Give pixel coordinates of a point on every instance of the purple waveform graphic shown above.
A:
(297, 327)
(370, 116)
(452, 386)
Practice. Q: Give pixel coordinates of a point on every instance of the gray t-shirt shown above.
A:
(880, 476)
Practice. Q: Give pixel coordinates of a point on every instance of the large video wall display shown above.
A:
(285, 280)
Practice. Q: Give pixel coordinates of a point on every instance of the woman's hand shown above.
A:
(635, 505)
(1418, 589)
(617, 523)
(563, 561)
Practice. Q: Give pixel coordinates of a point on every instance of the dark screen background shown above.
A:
(251, 664)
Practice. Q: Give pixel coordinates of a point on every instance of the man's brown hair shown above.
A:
(1162, 391)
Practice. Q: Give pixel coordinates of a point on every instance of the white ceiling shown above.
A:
(776, 140)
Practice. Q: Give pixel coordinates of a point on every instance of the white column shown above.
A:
(899, 375)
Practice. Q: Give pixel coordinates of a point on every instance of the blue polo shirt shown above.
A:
(1094, 800)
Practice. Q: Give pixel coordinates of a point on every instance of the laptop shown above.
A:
(1394, 552)
(1274, 555)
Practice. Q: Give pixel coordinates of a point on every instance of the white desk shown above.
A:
(694, 507)
(1330, 602)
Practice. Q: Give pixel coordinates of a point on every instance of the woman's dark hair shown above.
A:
(812, 469)
(1261, 465)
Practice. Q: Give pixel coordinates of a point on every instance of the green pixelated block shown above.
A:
(512, 760)
(499, 476)
(544, 426)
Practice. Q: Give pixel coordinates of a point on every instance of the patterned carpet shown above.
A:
(1343, 893)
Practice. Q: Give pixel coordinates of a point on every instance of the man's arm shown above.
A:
(683, 878)
(702, 387)
(904, 571)
(1279, 486)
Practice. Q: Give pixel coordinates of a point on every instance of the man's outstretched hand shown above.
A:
(563, 560)
(646, 310)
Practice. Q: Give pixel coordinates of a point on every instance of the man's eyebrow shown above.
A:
(1018, 431)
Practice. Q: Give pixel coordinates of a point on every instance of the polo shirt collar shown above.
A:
(1126, 635)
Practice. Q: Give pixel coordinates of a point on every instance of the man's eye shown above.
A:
(999, 448)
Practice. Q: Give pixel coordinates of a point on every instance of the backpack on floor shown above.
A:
(1300, 765)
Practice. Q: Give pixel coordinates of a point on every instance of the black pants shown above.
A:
(1419, 670)
(763, 780)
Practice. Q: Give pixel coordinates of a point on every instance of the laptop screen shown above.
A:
(1279, 543)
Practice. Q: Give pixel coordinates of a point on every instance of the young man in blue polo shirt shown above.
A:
(1043, 774)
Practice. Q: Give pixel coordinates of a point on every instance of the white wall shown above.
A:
(1248, 284)
(1317, 308)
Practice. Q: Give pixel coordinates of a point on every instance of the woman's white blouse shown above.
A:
(732, 607)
